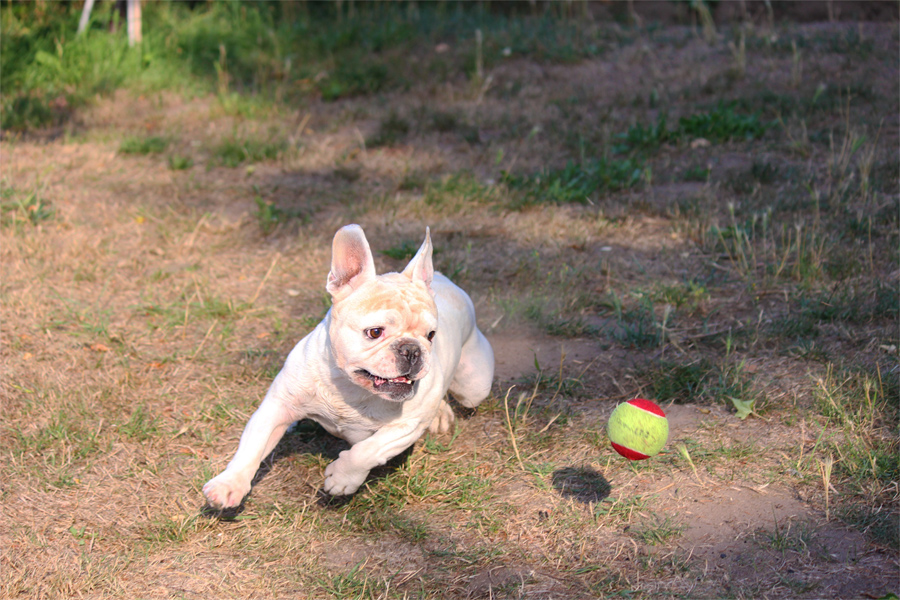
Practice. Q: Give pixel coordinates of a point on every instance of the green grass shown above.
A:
(236, 150)
(269, 216)
(634, 320)
(141, 426)
(453, 192)
(658, 531)
(180, 162)
(719, 124)
(688, 296)
(580, 183)
(861, 405)
(144, 145)
(700, 174)
(726, 383)
(878, 522)
(850, 304)
(18, 209)
(405, 250)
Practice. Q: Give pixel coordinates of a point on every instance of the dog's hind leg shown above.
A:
(475, 371)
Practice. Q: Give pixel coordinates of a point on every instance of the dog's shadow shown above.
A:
(308, 437)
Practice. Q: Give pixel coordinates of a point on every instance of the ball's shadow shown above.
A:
(581, 484)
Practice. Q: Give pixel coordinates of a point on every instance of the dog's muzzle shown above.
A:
(396, 389)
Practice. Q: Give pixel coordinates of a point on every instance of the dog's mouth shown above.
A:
(396, 388)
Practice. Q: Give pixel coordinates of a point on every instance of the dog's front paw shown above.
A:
(226, 490)
(341, 478)
(443, 420)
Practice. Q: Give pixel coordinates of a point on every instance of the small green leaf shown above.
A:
(744, 408)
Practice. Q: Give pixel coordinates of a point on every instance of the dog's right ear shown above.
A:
(351, 262)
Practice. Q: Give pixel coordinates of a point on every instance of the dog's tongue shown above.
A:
(379, 381)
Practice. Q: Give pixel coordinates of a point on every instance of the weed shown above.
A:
(232, 152)
(651, 137)
(727, 384)
(65, 437)
(700, 174)
(48, 72)
(720, 124)
(879, 522)
(354, 583)
(269, 216)
(135, 144)
(850, 304)
(576, 182)
(787, 538)
(454, 191)
(32, 208)
(141, 426)
(618, 510)
(761, 251)
(689, 295)
(634, 323)
(857, 403)
(180, 162)
(403, 251)
(167, 530)
(679, 383)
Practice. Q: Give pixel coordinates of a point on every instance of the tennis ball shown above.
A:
(638, 429)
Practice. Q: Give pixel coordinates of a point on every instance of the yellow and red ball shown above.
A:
(638, 429)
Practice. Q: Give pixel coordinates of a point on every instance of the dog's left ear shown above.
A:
(421, 267)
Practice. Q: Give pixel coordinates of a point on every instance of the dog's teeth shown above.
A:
(379, 381)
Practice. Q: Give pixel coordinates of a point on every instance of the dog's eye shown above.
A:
(373, 333)
(430, 335)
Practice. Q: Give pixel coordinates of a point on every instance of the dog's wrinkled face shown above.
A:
(382, 327)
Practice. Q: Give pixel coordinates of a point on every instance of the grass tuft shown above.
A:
(144, 145)
(580, 183)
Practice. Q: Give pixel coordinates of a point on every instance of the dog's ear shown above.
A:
(351, 261)
(421, 267)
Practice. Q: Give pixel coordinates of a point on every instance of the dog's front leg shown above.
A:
(261, 435)
(349, 471)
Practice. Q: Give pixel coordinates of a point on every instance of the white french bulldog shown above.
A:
(374, 372)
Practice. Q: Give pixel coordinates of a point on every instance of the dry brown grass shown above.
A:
(143, 321)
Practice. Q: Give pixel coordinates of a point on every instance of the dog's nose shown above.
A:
(411, 352)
